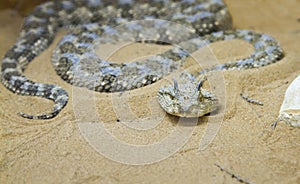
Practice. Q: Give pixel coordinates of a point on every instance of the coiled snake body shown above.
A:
(93, 22)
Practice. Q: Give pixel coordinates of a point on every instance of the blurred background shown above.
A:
(21, 6)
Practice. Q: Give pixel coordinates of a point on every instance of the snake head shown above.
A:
(187, 98)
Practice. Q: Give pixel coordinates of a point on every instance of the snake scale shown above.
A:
(93, 23)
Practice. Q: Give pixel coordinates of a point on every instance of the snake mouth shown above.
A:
(197, 112)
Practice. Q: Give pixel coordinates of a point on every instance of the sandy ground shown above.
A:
(68, 150)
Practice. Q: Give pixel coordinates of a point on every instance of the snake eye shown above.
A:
(176, 88)
(200, 84)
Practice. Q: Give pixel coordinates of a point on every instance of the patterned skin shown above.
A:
(93, 22)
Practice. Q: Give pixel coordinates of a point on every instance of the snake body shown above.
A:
(93, 23)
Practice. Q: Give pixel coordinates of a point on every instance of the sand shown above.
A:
(75, 148)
